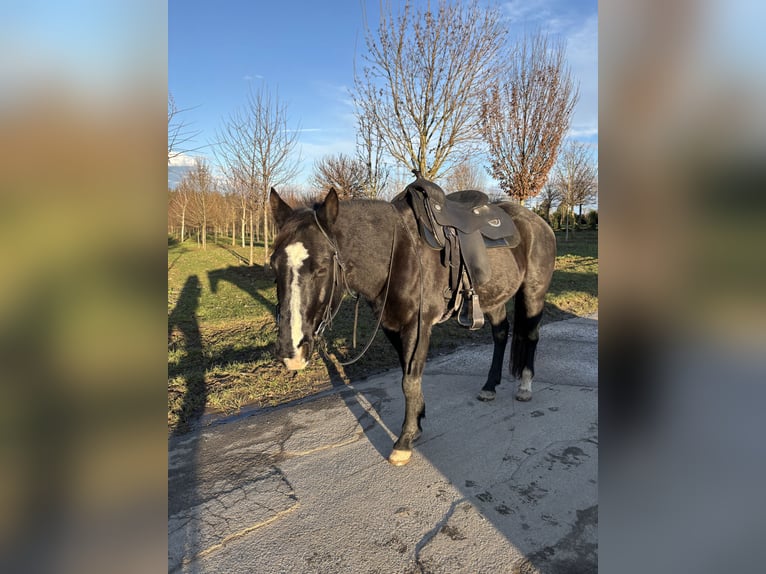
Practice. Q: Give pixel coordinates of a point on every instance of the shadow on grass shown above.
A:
(564, 281)
(250, 279)
(191, 366)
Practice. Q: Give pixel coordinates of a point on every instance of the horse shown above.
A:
(373, 248)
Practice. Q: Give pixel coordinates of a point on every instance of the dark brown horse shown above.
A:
(373, 248)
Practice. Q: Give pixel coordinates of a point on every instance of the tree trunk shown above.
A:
(251, 237)
(244, 219)
(183, 223)
(265, 232)
(234, 232)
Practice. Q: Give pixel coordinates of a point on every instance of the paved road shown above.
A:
(492, 487)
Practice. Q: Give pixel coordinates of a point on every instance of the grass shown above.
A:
(221, 329)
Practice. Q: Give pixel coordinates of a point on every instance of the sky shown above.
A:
(305, 51)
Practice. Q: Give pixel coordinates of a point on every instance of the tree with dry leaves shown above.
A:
(575, 178)
(526, 114)
(464, 175)
(257, 149)
(348, 175)
(423, 78)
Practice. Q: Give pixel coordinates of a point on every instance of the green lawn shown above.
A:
(221, 329)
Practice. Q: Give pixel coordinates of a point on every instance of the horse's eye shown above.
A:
(321, 272)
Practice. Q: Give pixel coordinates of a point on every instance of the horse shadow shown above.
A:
(504, 492)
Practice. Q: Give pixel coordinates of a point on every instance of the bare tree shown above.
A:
(526, 114)
(424, 74)
(548, 196)
(179, 133)
(346, 174)
(257, 149)
(575, 177)
(464, 175)
(180, 199)
(370, 151)
(200, 182)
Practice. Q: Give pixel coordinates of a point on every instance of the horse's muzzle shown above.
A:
(295, 363)
(301, 358)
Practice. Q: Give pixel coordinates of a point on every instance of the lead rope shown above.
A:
(336, 258)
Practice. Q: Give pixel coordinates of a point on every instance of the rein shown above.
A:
(339, 274)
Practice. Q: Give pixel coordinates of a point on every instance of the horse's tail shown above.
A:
(525, 336)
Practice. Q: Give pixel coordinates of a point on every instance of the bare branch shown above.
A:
(257, 150)
(179, 134)
(423, 79)
(346, 174)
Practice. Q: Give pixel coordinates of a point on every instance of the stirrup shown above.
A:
(470, 314)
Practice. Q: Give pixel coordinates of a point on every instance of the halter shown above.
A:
(338, 275)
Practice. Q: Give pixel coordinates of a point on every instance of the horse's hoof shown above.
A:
(524, 396)
(400, 457)
(486, 395)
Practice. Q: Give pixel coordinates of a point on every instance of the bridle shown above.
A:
(339, 279)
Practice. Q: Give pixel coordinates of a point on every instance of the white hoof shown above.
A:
(486, 395)
(400, 457)
(524, 395)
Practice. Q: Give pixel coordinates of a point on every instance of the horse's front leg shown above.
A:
(412, 355)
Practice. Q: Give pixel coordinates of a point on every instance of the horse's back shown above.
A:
(538, 239)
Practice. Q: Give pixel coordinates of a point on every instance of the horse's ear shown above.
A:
(328, 211)
(279, 208)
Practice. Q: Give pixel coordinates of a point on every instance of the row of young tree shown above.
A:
(435, 88)
(201, 202)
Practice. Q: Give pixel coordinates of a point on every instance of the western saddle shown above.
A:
(462, 225)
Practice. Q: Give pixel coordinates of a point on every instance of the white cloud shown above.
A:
(582, 55)
(181, 160)
(524, 10)
(579, 132)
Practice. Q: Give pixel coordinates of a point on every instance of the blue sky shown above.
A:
(305, 50)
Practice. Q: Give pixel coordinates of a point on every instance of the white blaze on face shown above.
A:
(296, 255)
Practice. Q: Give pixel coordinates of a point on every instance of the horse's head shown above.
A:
(307, 282)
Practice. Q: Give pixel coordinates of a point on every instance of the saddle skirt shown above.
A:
(462, 225)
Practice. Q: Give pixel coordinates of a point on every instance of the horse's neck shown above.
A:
(365, 232)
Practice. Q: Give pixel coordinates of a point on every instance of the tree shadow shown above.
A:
(250, 279)
(564, 281)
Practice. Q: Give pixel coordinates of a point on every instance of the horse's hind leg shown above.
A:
(499, 321)
(528, 311)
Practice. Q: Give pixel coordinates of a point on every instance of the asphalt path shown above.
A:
(492, 487)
